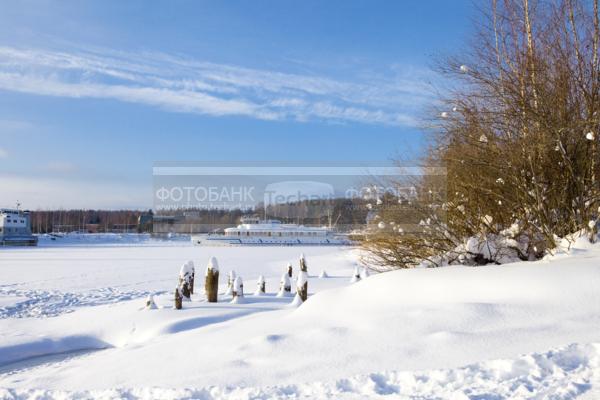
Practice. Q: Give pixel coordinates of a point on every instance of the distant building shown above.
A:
(15, 228)
(124, 228)
(145, 221)
(92, 228)
(163, 224)
(63, 228)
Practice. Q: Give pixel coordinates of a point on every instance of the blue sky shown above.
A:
(93, 93)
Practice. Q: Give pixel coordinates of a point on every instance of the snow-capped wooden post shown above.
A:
(186, 279)
(150, 304)
(260, 286)
(364, 273)
(238, 290)
(185, 291)
(192, 276)
(285, 286)
(302, 285)
(289, 269)
(178, 299)
(230, 279)
(211, 282)
(303, 265)
(355, 275)
(593, 231)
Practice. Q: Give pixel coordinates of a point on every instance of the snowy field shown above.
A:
(73, 325)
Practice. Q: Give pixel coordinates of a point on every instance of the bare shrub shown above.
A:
(518, 135)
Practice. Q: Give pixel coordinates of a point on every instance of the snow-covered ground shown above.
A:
(73, 325)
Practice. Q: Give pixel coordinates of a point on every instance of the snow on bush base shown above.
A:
(558, 374)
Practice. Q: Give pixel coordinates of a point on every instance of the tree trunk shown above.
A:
(303, 266)
(185, 290)
(211, 285)
(178, 300)
(303, 291)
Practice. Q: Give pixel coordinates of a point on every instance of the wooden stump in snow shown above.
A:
(178, 299)
(238, 290)
(303, 265)
(355, 275)
(261, 286)
(186, 279)
(185, 291)
(302, 285)
(230, 280)
(191, 263)
(150, 304)
(211, 282)
(289, 269)
(364, 273)
(285, 286)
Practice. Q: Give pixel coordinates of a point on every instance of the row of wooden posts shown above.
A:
(235, 285)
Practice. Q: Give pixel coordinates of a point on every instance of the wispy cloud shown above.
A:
(181, 84)
(3, 153)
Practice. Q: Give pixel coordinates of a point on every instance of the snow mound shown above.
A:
(297, 302)
(49, 346)
(564, 373)
(417, 333)
(283, 293)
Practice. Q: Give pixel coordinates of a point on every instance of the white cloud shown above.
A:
(174, 100)
(193, 86)
(3, 153)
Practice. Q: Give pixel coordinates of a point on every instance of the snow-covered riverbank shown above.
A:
(72, 319)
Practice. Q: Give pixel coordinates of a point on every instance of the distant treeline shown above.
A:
(85, 220)
(340, 212)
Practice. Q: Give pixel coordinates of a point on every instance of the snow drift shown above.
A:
(523, 329)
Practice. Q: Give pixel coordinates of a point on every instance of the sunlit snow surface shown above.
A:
(73, 325)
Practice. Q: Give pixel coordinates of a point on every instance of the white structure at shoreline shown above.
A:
(15, 228)
(253, 231)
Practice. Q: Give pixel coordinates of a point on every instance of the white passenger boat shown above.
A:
(253, 231)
